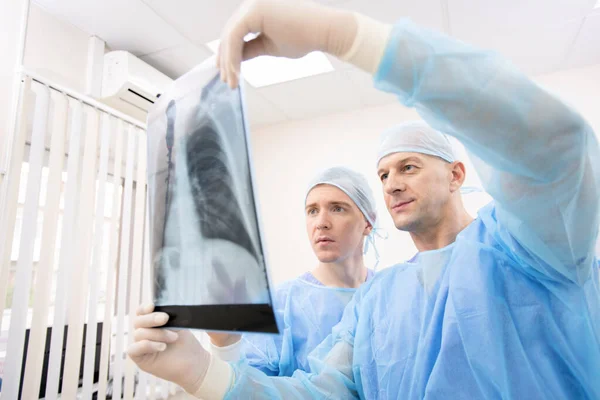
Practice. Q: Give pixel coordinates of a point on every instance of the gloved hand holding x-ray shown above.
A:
(206, 247)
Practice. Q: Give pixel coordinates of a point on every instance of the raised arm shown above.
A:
(537, 157)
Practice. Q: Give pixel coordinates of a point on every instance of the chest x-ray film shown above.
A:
(207, 251)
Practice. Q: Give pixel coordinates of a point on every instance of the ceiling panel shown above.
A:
(468, 17)
(177, 60)
(586, 50)
(369, 96)
(537, 41)
(538, 35)
(123, 25)
(314, 96)
(428, 13)
(538, 52)
(200, 21)
(260, 111)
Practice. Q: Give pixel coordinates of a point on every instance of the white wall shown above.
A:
(287, 155)
(56, 49)
(10, 29)
(53, 48)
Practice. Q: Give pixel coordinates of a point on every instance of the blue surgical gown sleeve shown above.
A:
(537, 157)
(330, 363)
(264, 351)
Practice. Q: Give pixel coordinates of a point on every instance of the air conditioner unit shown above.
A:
(130, 85)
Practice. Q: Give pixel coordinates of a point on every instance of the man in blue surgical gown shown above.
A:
(341, 223)
(504, 306)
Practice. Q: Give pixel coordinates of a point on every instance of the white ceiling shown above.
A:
(540, 36)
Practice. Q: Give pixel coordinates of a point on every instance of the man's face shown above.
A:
(416, 189)
(335, 225)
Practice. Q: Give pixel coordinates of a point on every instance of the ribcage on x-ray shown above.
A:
(212, 187)
(208, 249)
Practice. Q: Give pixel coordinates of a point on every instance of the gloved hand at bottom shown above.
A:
(176, 356)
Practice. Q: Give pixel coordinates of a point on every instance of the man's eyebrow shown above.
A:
(411, 159)
(403, 161)
(340, 203)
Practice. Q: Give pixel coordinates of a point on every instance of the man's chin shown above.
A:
(405, 226)
(326, 257)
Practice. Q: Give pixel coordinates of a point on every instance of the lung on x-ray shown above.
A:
(207, 251)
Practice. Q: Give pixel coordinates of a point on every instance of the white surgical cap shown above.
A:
(415, 137)
(356, 187)
(353, 184)
(418, 137)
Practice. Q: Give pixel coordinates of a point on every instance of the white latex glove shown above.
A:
(225, 346)
(174, 356)
(287, 29)
(223, 339)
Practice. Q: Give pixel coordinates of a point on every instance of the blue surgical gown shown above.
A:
(307, 311)
(511, 309)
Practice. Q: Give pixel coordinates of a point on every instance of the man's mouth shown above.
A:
(401, 205)
(324, 240)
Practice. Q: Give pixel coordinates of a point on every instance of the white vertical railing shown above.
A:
(123, 266)
(43, 283)
(78, 282)
(146, 386)
(85, 204)
(113, 259)
(66, 253)
(94, 273)
(16, 333)
(137, 253)
(9, 214)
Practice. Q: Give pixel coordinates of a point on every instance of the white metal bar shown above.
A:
(112, 263)
(8, 215)
(136, 259)
(43, 282)
(147, 385)
(94, 273)
(124, 264)
(83, 248)
(85, 99)
(67, 253)
(16, 97)
(94, 67)
(18, 322)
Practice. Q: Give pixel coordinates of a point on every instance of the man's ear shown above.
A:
(368, 229)
(458, 171)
